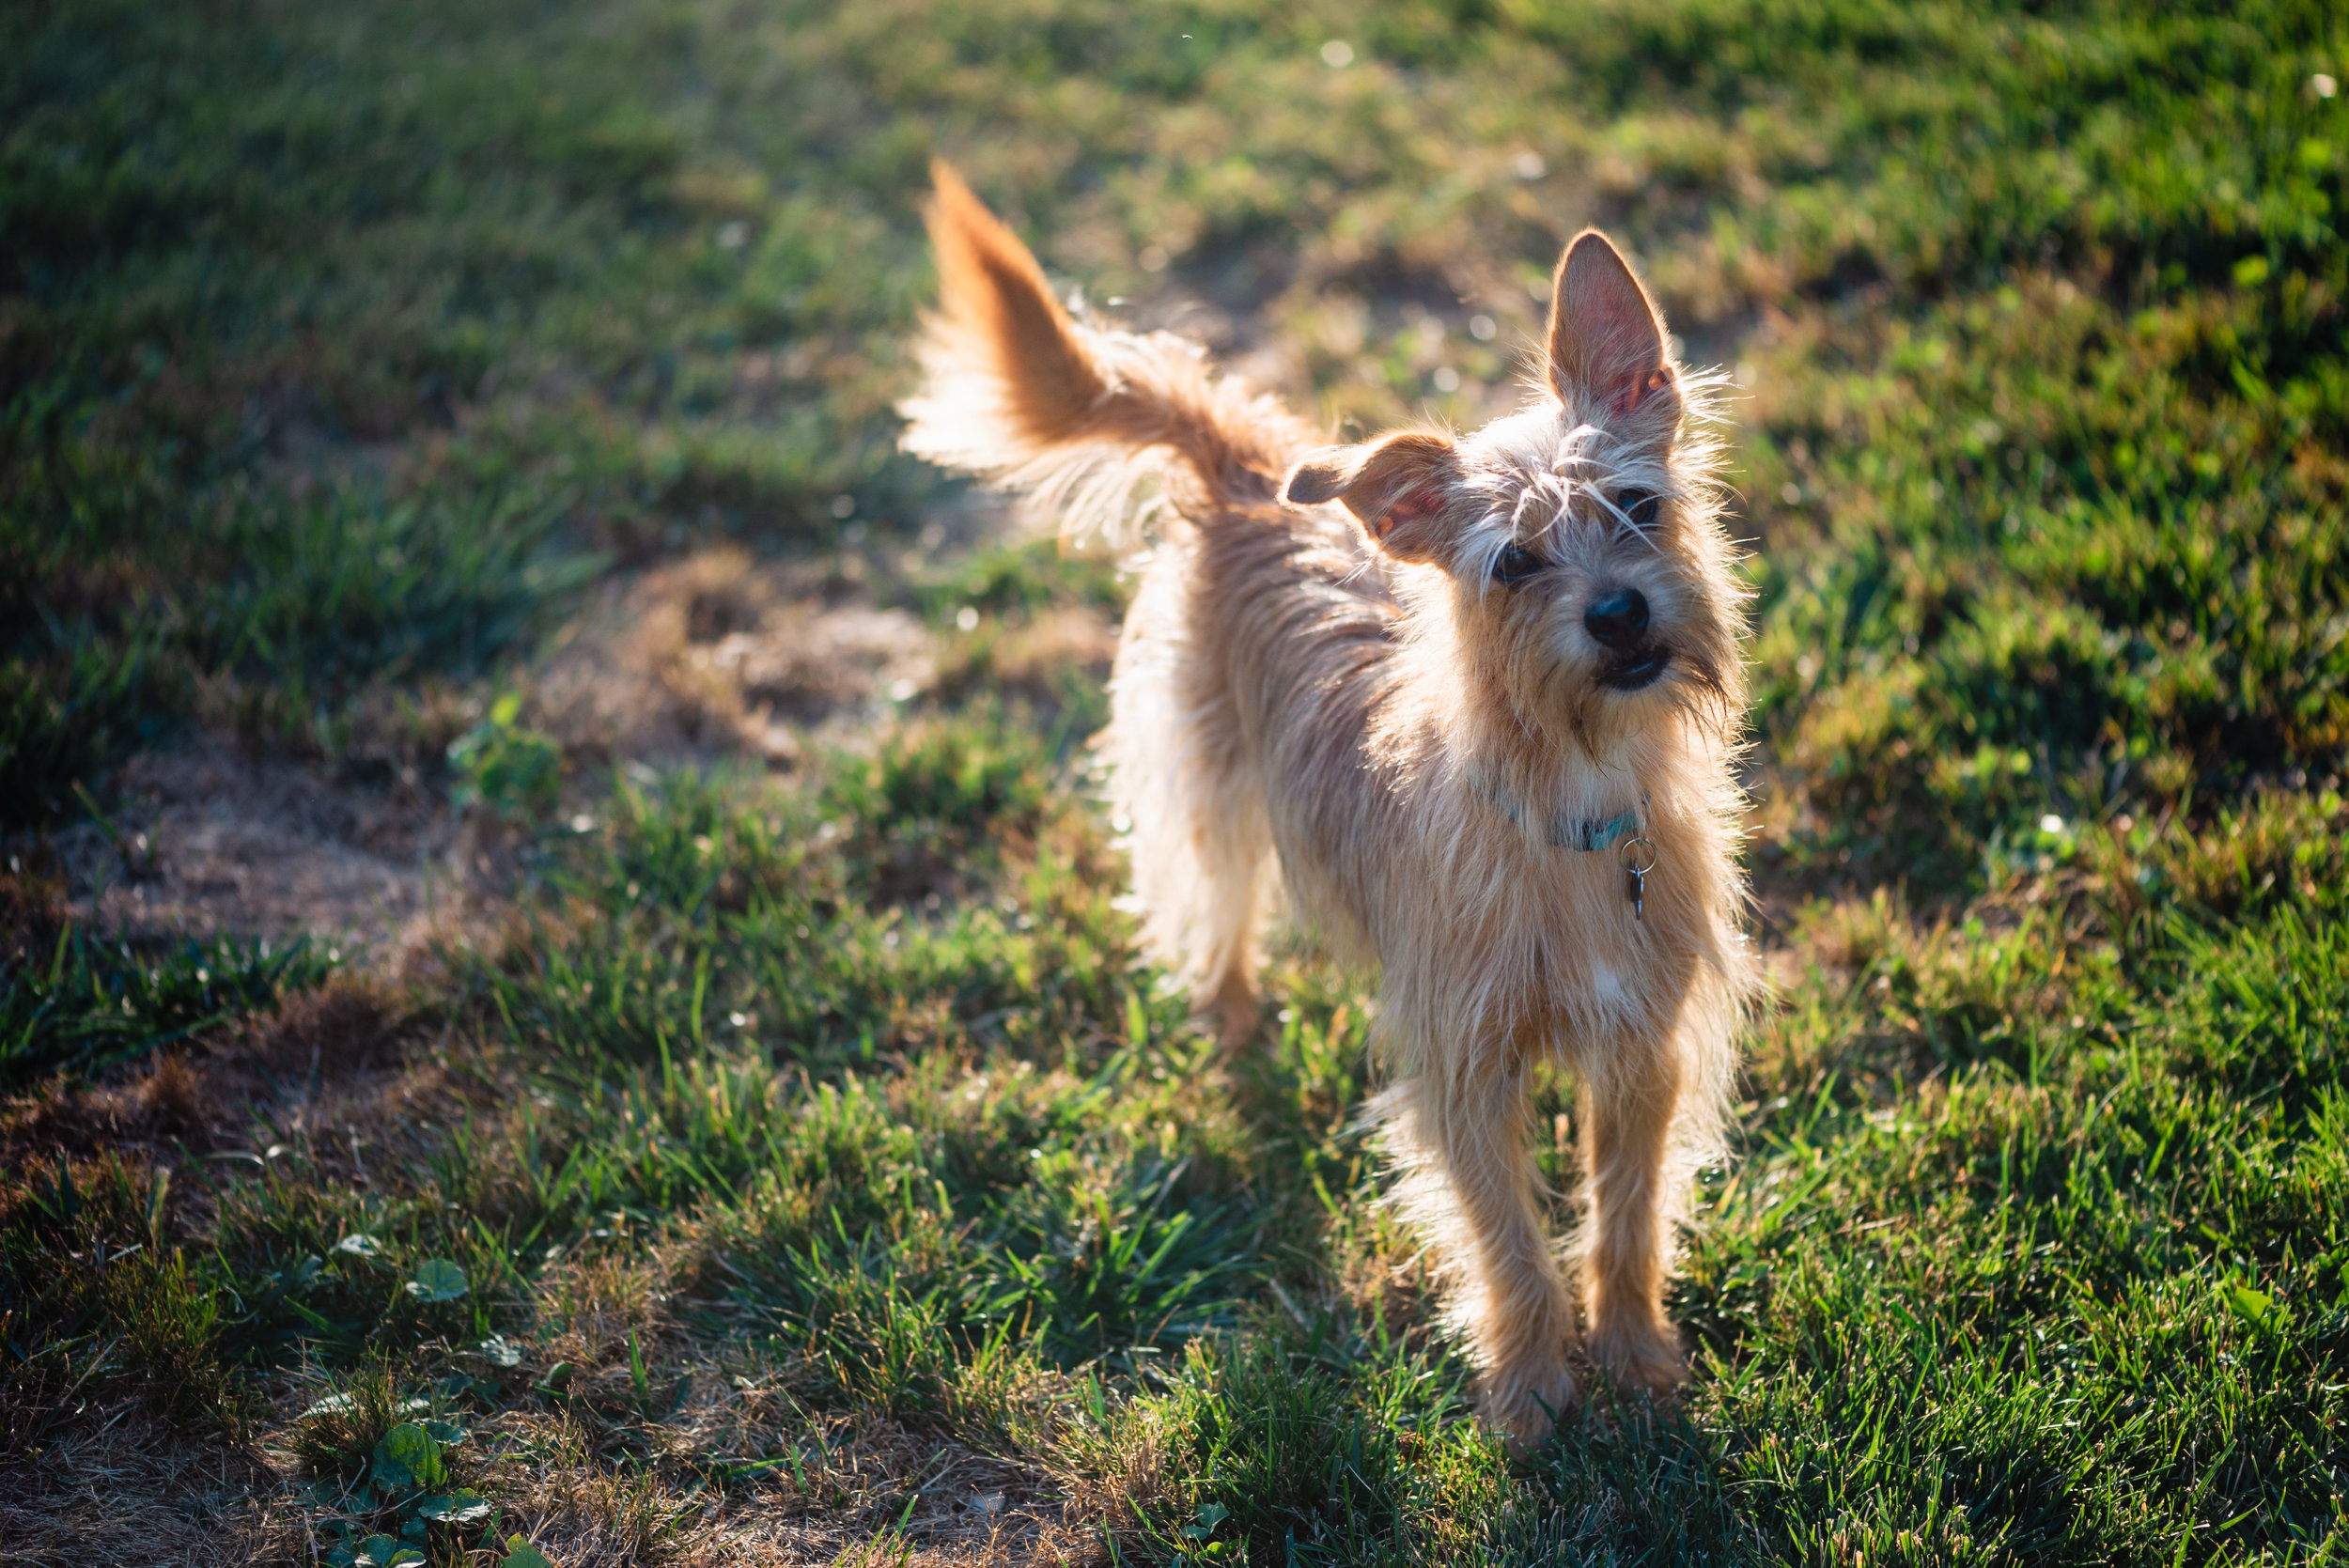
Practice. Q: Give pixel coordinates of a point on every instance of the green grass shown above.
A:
(74, 1001)
(87, 1003)
(784, 1121)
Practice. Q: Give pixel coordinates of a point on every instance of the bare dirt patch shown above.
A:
(210, 840)
(715, 658)
(866, 1492)
(718, 655)
(114, 1486)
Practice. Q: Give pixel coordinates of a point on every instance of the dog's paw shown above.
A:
(1523, 1404)
(1648, 1359)
(1235, 1013)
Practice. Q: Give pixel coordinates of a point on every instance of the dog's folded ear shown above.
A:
(1400, 487)
(1606, 352)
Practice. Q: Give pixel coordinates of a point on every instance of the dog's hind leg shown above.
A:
(1629, 1212)
(1230, 844)
(1192, 805)
(1469, 1186)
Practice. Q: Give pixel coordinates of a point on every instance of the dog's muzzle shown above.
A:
(1618, 622)
(1642, 669)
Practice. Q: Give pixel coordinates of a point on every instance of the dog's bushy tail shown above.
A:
(1098, 427)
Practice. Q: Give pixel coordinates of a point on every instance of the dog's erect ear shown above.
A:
(1398, 486)
(1606, 341)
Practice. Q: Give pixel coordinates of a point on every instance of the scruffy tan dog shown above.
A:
(1480, 697)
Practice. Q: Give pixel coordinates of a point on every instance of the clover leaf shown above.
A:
(406, 1459)
(521, 1554)
(437, 1280)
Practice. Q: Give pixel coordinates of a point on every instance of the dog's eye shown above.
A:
(1638, 506)
(1515, 566)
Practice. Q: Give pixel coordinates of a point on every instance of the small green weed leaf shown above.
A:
(437, 1280)
(408, 1457)
(559, 1377)
(521, 1554)
(384, 1551)
(1210, 1515)
(457, 1386)
(502, 1351)
(447, 1434)
(359, 1245)
(455, 1508)
(2255, 1307)
(506, 767)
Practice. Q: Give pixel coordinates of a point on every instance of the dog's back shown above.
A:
(1258, 634)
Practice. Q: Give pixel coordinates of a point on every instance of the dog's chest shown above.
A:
(1585, 912)
(1543, 929)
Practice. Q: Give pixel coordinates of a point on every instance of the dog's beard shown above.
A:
(1602, 704)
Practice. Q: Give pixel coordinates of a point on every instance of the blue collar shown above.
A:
(1585, 834)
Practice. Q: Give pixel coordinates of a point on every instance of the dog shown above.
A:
(1474, 705)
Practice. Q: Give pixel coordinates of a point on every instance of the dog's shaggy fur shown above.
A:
(1458, 687)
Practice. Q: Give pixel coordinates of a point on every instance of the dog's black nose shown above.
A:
(1618, 620)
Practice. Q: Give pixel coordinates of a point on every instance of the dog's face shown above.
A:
(1584, 571)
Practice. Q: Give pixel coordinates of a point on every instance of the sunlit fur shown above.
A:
(1295, 707)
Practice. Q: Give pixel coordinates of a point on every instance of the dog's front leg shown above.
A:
(1627, 1227)
(1473, 1189)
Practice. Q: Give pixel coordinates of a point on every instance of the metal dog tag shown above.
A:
(1639, 859)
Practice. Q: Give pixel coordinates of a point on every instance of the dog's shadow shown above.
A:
(1627, 1479)
(1622, 1477)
